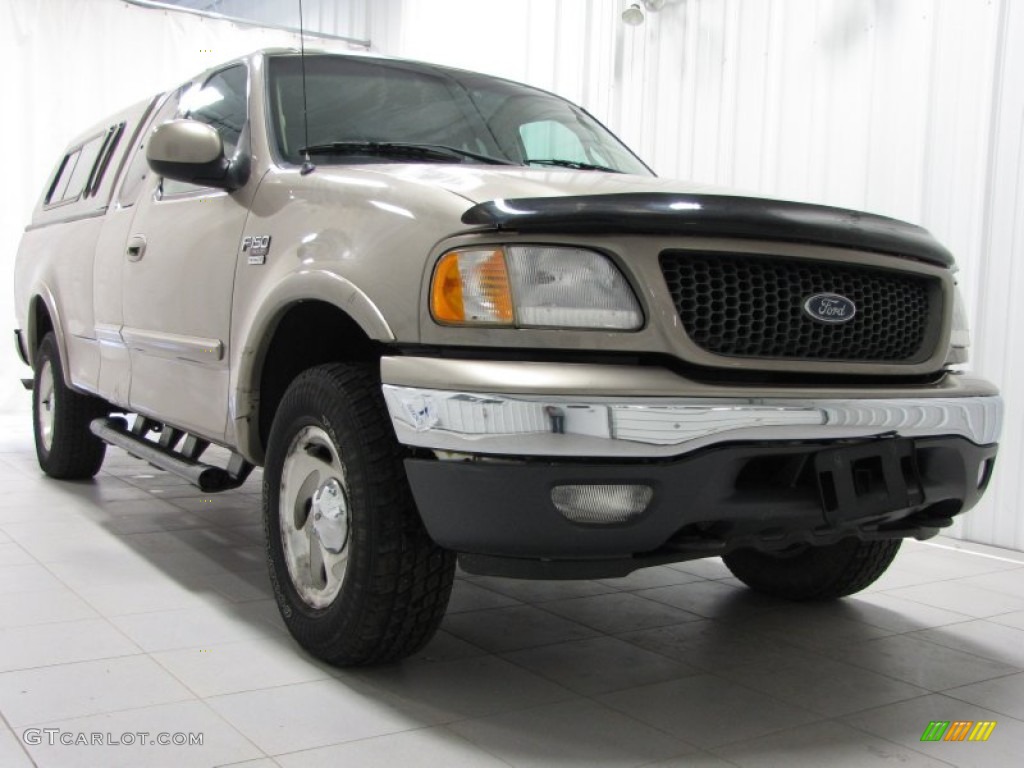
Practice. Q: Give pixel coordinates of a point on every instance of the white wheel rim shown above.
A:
(46, 404)
(313, 515)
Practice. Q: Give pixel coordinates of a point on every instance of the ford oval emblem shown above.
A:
(829, 308)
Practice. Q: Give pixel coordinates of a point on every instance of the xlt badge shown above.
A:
(258, 246)
(829, 308)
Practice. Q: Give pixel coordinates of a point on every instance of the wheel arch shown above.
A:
(44, 317)
(310, 319)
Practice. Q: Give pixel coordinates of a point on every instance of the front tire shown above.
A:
(355, 575)
(814, 572)
(65, 447)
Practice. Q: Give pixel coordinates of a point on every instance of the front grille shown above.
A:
(745, 305)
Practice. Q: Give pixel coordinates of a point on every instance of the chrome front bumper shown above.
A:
(565, 425)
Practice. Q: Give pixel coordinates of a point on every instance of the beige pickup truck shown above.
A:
(453, 317)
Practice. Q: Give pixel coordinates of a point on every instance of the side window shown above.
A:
(221, 103)
(110, 142)
(547, 139)
(74, 171)
(61, 179)
(138, 169)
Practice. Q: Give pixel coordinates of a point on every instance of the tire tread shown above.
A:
(394, 607)
(818, 573)
(75, 452)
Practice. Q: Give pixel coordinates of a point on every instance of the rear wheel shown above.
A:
(814, 573)
(65, 446)
(355, 575)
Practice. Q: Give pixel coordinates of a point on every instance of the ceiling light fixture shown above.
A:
(634, 14)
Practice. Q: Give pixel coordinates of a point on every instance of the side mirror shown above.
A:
(190, 151)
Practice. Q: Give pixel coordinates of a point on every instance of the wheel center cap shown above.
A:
(330, 516)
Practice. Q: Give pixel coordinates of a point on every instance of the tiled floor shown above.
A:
(136, 604)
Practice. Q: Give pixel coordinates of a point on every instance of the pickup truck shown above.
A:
(455, 319)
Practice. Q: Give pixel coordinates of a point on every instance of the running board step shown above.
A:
(208, 478)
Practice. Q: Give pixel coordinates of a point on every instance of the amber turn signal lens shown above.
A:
(472, 287)
(446, 292)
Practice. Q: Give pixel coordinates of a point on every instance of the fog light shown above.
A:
(601, 504)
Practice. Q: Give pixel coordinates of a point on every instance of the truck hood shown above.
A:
(478, 184)
(563, 201)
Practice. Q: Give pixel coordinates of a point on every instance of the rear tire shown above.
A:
(355, 575)
(814, 573)
(65, 447)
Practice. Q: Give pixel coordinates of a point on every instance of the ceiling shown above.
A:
(340, 18)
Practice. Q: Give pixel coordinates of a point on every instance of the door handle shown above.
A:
(136, 247)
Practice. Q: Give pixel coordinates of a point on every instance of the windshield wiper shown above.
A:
(439, 152)
(574, 164)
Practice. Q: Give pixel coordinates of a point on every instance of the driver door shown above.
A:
(179, 267)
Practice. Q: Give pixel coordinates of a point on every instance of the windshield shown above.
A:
(371, 101)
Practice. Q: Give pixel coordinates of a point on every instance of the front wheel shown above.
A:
(355, 575)
(814, 572)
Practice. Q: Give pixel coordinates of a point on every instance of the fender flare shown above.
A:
(44, 294)
(261, 321)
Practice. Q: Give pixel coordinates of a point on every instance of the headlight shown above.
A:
(532, 287)
(960, 334)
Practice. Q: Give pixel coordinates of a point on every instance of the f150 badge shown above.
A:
(829, 308)
(257, 246)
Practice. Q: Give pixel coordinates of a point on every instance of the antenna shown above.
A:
(307, 166)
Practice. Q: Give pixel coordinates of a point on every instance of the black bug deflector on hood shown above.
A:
(710, 215)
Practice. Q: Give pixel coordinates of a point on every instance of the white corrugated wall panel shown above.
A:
(996, 280)
(343, 18)
(913, 109)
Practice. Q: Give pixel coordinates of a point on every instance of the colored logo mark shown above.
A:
(958, 730)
